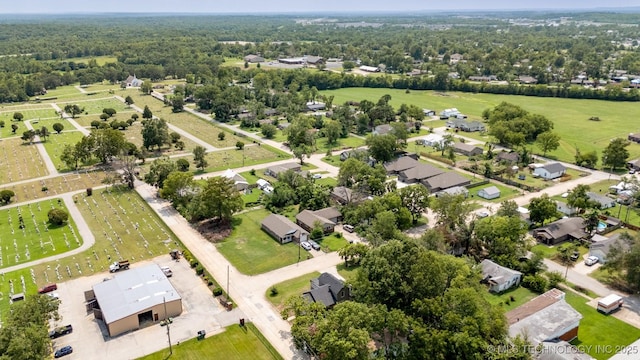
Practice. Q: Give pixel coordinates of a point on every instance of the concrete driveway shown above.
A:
(90, 340)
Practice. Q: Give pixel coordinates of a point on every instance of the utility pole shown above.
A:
(167, 322)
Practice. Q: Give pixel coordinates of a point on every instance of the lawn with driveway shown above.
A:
(289, 288)
(251, 250)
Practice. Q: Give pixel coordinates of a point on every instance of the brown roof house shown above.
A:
(561, 230)
(400, 164)
(343, 195)
(445, 181)
(274, 170)
(418, 173)
(283, 229)
(546, 317)
(467, 149)
(499, 278)
(327, 290)
(508, 157)
(308, 219)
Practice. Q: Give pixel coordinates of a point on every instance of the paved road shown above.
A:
(51, 168)
(579, 279)
(71, 120)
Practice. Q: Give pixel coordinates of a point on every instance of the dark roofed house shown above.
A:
(328, 290)
(508, 157)
(418, 173)
(400, 164)
(445, 181)
(316, 106)
(546, 317)
(315, 60)
(308, 219)
(283, 229)
(499, 278)
(275, 170)
(561, 230)
(467, 149)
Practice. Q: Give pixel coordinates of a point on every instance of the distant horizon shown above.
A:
(276, 7)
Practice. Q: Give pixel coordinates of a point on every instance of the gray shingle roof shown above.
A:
(281, 226)
(421, 171)
(555, 167)
(491, 190)
(401, 164)
(499, 274)
(446, 180)
(309, 218)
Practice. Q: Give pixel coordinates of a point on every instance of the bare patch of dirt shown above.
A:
(213, 230)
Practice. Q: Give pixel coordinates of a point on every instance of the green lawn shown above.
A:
(348, 273)
(251, 250)
(570, 116)
(252, 197)
(520, 296)
(19, 161)
(55, 144)
(600, 329)
(332, 242)
(95, 106)
(506, 193)
(289, 288)
(235, 343)
(346, 143)
(327, 181)
(58, 185)
(38, 239)
(332, 160)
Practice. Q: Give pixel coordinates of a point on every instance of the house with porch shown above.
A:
(550, 171)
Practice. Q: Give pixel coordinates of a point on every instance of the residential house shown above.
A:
(308, 219)
(467, 149)
(455, 123)
(526, 79)
(550, 171)
(327, 290)
(634, 137)
(604, 201)
(387, 129)
(432, 140)
(253, 59)
(454, 191)
(283, 229)
(602, 245)
(315, 60)
(357, 153)
(265, 186)
(483, 78)
(455, 58)
(447, 113)
(400, 164)
(445, 181)
(275, 170)
(316, 106)
(343, 195)
(239, 181)
(331, 213)
(499, 278)
(419, 173)
(428, 112)
(565, 209)
(508, 157)
(292, 61)
(489, 193)
(472, 126)
(133, 81)
(561, 230)
(547, 317)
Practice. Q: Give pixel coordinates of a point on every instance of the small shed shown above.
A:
(610, 303)
(489, 193)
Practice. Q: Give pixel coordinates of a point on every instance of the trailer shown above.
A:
(610, 303)
(119, 265)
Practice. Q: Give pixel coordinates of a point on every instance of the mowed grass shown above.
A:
(95, 106)
(112, 217)
(570, 116)
(251, 250)
(19, 161)
(38, 238)
(58, 185)
(289, 288)
(38, 124)
(600, 329)
(235, 343)
(506, 193)
(55, 144)
(349, 142)
(520, 295)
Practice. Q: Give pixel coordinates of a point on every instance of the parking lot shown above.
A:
(90, 340)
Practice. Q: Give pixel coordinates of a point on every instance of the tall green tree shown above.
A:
(146, 113)
(199, 157)
(218, 199)
(541, 209)
(179, 188)
(382, 147)
(159, 171)
(416, 199)
(579, 200)
(548, 141)
(155, 132)
(615, 155)
(73, 110)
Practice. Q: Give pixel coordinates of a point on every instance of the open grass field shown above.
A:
(43, 111)
(61, 92)
(124, 228)
(570, 116)
(19, 161)
(251, 250)
(289, 288)
(235, 343)
(520, 295)
(228, 159)
(346, 143)
(600, 329)
(95, 106)
(37, 124)
(55, 144)
(34, 237)
(69, 182)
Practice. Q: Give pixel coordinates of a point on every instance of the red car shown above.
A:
(48, 288)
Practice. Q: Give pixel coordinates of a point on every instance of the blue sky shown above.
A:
(279, 6)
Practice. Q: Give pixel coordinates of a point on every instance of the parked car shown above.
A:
(65, 350)
(591, 260)
(48, 288)
(314, 245)
(348, 228)
(63, 330)
(305, 245)
(167, 271)
(575, 256)
(483, 214)
(632, 171)
(317, 176)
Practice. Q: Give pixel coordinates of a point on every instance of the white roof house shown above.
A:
(489, 193)
(432, 140)
(238, 180)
